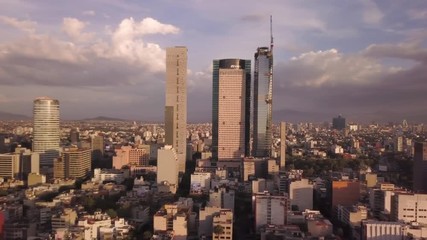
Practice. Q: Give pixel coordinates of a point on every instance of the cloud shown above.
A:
(23, 25)
(123, 59)
(371, 13)
(315, 85)
(74, 29)
(417, 14)
(89, 13)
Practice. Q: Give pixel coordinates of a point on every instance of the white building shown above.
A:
(270, 209)
(409, 208)
(301, 194)
(200, 182)
(223, 225)
(376, 230)
(101, 175)
(167, 168)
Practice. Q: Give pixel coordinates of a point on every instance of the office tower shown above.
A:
(398, 144)
(176, 102)
(74, 136)
(420, 167)
(338, 123)
(231, 109)
(345, 193)
(73, 163)
(9, 165)
(46, 131)
(270, 209)
(282, 146)
(262, 103)
(97, 147)
(167, 169)
(409, 208)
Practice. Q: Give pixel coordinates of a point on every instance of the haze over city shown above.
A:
(366, 60)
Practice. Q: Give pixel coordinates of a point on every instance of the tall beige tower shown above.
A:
(231, 109)
(46, 131)
(176, 102)
(282, 145)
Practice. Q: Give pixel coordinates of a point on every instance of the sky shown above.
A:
(365, 60)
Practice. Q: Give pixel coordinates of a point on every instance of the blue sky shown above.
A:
(366, 60)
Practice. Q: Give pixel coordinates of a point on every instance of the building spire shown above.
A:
(271, 33)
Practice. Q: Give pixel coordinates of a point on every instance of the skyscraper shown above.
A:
(231, 109)
(338, 123)
(176, 102)
(263, 100)
(46, 131)
(282, 146)
(420, 167)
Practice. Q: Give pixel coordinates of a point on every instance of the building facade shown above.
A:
(420, 167)
(176, 102)
(46, 130)
(73, 163)
(231, 109)
(262, 102)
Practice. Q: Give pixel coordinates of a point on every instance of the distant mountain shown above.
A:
(103, 118)
(12, 116)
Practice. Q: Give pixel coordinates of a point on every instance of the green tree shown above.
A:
(112, 213)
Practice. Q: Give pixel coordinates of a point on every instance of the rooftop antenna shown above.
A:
(271, 33)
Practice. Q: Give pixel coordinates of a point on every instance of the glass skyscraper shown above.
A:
(231, 109)
(262, 104)
(46, 130)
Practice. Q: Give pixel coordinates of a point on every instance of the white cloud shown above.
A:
(330, 67)
(24, 25)
(371, 13)
(89, 13)
(417, 14)
(74, 29)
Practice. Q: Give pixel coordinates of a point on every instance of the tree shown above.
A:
(112, 213)
(218, 229)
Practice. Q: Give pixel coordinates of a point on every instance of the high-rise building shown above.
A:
(222, 225)
(97, 144)
(420, 167)
(74, 136)
(338, 123)
(176, 102)
(46, 131)
(282, 146)
(231, 109)
(167, 169)
(262, 103)
(9, 165)
(73, 163)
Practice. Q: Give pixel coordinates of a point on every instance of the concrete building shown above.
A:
(35, 179)
(301, 194)
(200, 182)
(9, 165)
(222, 197)
(420, 167)
(176, 102)
(352, 215)
(398, 144)
(222, 225)
(345, 192)
(270, 209)
(64, 219)
(176, 219)
(272, 167)
(376, 230)
(254, 168)
(409, 208)
(263, 102)
(206, 221)
(73, 163)
(116, 175)
(231, 109)
(46, 131)
(167, 168)
(282, 146)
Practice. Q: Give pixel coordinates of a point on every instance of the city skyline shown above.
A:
(108, 59)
